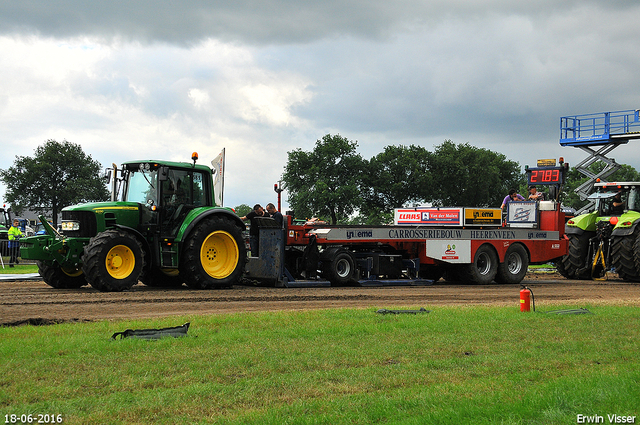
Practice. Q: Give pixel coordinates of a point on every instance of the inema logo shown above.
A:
(483, 214)
(359, 234)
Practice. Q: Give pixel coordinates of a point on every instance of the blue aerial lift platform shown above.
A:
(601, 128)
(598, 134)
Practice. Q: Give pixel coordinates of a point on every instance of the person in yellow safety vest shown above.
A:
(14, 242)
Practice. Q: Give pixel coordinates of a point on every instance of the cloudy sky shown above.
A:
(161, 79)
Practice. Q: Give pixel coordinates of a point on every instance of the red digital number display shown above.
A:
(549, 176)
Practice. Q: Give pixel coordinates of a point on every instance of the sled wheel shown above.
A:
(339, 267)
(515, 266)
(484, 266)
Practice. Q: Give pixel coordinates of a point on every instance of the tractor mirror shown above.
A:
(163, 173)
(106, 176)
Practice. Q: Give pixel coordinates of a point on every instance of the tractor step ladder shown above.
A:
(597, 135)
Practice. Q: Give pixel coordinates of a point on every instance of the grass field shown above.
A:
(18, 268)
(479, 365)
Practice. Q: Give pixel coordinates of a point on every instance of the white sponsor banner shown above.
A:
(450, 251)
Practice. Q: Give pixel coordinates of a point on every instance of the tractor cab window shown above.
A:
(182, 191)
(143, 187)
(634, 199)
(183, 188)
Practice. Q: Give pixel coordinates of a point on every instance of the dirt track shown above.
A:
(35, 302)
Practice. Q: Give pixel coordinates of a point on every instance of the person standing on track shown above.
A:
(14, 242)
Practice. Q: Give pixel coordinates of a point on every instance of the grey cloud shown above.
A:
(256, 22)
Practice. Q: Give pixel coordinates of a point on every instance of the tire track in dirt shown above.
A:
(33, 302)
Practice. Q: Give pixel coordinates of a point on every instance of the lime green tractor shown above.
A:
(161, 227)
(607, 238)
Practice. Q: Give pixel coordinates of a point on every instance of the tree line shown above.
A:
(332, 182)
(335, 183)
(58, 175)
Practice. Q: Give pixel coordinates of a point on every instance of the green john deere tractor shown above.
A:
(161, 227)
(606, 238)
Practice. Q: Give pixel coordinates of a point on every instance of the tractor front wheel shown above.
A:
(214, 255)
(113, 261)
(576, 265)
(60, 277)
(625, 255)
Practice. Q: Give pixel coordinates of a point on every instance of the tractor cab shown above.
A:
(166, 191)
(614, 199)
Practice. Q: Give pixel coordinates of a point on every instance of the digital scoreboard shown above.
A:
(544, 176)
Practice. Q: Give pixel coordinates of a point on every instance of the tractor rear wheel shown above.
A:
(113, 261)
(61, 278)
(625, 255)
(214, 255)
(514, 268)
(572, 265)
(484, 266)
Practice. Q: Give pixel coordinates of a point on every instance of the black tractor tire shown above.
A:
(162, 278)
(515, 266)
(625, 255)
(339, 267)
(60, 278)
(572, 265)
(484, 267)
(214, 254)
(113, 261)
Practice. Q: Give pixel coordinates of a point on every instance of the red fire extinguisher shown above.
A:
(526, 296)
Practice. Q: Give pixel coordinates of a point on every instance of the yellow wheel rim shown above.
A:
(219, 254)
(120, 262)
(71, 272)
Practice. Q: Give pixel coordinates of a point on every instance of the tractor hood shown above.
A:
(86, 220)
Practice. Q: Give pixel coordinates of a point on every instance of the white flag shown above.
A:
(218, 178)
